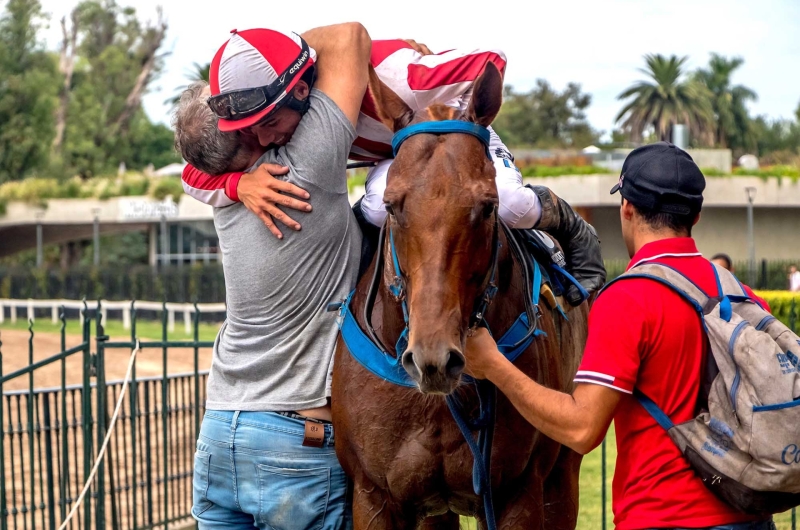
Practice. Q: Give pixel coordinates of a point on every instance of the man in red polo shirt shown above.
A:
(643, 335)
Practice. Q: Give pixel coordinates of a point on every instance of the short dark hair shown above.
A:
(658, 220)
(724, 257)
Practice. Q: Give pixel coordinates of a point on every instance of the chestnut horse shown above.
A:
(409, 463)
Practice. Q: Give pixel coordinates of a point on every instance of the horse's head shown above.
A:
(442, 204)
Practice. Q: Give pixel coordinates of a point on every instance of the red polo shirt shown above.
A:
(643, 334)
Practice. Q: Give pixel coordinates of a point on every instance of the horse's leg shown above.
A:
(447, 521)
(373, 510)
(524, 507)
(561, 491)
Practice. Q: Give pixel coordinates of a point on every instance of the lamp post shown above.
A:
(39, 238)
(96, 236)
(751, 244)
(165, 257)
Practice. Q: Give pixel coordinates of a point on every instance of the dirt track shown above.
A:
(148, 363)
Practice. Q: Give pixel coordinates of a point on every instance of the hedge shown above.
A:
(785, 305)
(200, 282)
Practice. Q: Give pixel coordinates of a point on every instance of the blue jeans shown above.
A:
(252, 471)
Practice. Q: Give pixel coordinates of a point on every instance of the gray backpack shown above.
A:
(745, 441)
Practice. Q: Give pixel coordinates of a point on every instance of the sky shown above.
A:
(599, 44)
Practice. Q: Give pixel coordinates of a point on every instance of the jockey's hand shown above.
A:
(578, 239)
(261, 193)
(418, 47)
(482, 354)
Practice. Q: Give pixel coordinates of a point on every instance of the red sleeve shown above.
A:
(219, 191)
(617, 334)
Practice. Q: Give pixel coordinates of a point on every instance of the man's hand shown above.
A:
(418, 47)
(579, 421)
(482, 354)
(261, 193)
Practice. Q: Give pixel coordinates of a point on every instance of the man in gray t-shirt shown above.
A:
(265, 455)
(273, 351)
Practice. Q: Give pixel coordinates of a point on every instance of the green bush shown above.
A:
(558, 171)
(165, 186)
(792, 172)
(785, 306)
(40, 189)
(713, 172)
(358, 179)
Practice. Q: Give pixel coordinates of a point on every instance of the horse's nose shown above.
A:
(411, 365)
(434, 373)
(455, 364)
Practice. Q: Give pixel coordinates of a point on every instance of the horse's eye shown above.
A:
(389, 208)
(488, 210)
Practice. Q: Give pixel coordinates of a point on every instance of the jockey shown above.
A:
(421, 78)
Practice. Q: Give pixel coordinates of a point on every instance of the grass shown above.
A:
(145, 329)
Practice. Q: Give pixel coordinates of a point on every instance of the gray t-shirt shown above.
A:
(274, 351)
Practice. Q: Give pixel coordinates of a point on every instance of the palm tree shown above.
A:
(199, 72)
(667, 100)
(734, 126)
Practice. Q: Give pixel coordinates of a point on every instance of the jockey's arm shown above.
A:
(579, 420)
(343, 52)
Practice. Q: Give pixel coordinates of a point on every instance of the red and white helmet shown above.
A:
(253, 72)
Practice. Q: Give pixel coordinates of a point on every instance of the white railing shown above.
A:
(124, 307)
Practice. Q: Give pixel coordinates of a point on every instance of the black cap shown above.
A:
(662, 177)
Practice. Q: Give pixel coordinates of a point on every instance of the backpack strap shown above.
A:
(728, 285)
(654, 410)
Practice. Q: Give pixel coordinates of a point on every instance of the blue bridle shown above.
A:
(442, 127)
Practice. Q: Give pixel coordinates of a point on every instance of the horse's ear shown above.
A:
(391, 109)
(487, 96)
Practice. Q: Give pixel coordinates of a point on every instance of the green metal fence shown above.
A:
(50, 437)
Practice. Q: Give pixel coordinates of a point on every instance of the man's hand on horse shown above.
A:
(261, 193)
(482, 354)
(418, 47)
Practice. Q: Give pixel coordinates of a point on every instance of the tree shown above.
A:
(199, 72)
(666, 100)
(117, 59)
(734, 128)
(545, 117)
(778, 140)
(28, 88)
